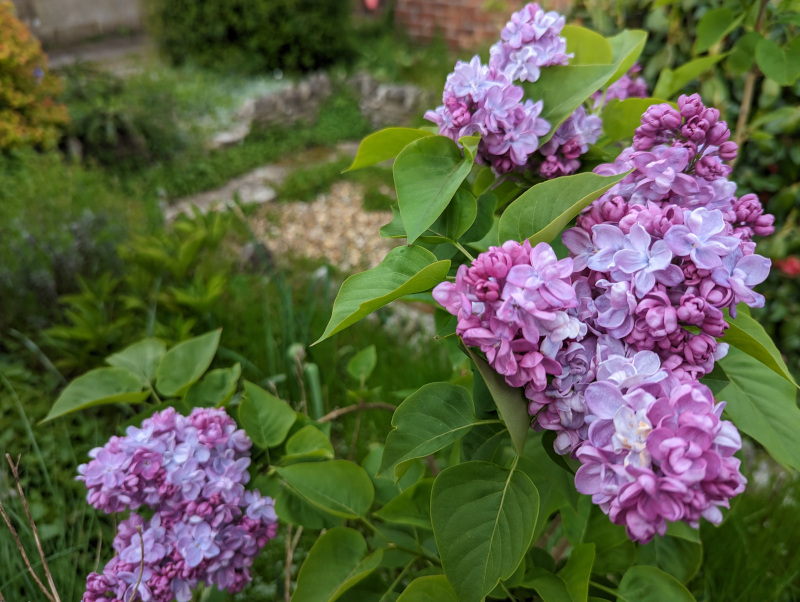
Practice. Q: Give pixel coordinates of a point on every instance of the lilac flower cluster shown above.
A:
(610, 355)
(484, 100)
(630, 85)
(205, 527)
(658, 451)
(517, 304)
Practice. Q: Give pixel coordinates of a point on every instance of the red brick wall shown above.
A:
(464, 24)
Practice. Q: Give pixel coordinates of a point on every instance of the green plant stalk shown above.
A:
(311, 373)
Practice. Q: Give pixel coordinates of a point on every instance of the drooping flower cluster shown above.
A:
(658, 451)
(205, 527)
(654, 261)
(517, 304)
(485, 100)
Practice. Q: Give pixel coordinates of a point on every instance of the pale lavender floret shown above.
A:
(701, 238)
(541, 286)
(615, 308)
(740, 274)
(198, 543)
(609, 240)
(470, 80)
(580, 246)
(497, 112)
(643, 262)
(627, 372)
(663, 174)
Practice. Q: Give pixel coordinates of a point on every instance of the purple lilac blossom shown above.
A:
(205, 528)
(516, 303)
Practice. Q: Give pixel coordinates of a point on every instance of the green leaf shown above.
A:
(484, 218)
(386, 486)
(510, 402)
(614, 552)
(295, 510)
(782, 66)
(185, 363)
(362, 364)
(265, 418)
(590, 48)
(308, 444)
(384, 145)
(743, 53)
(678, 556)
(563, 89)
(763, 405)
(427, 174)
(339, 487)
(335, 563)
(455, 220)
(433, 588)
(621, 118)
(430, 419)
(749, 336)
(626, 48)
(411, 507)
(549, 587)
(101, 386)
(670, 82)
(483, 520)
(403, 271)
(713, 26)
(215, 389)
(140, 358)
(577, 570)
(649, 584)
(543, 211)
(556, 486)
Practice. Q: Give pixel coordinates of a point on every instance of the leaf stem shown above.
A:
(608, 590)
(463, 250)
(399, 577)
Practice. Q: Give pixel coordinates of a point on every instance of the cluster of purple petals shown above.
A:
(610, 355)
(630, 85)
(481, 99)
(529, 41)
(190, 472)
(658, 451)
(559, 155)
(517, 304)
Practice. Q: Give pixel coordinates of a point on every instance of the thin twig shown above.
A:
(740, 136)
(291, 545)
(33, 528)
(376, 405)
(141, 565)
(22, 552)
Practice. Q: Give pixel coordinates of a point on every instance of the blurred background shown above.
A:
(173, 166)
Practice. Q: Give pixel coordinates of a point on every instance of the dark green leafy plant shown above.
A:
(261, 35)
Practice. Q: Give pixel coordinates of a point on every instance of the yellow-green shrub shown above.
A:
(29, 115)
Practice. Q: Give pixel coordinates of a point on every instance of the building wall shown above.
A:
(63, 21)
(463, 24)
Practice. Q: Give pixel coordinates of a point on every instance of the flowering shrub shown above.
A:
(609, 363)
(602, 355)
(205, 527)
(29, 116)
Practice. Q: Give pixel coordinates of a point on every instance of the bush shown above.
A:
(253, 35)
(28, 114)
(122, 122)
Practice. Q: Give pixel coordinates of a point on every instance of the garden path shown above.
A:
(334, 227)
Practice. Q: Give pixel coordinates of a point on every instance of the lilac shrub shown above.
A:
(190, 473)
(610, 342)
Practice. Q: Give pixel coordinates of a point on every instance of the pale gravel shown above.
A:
(333, 228)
